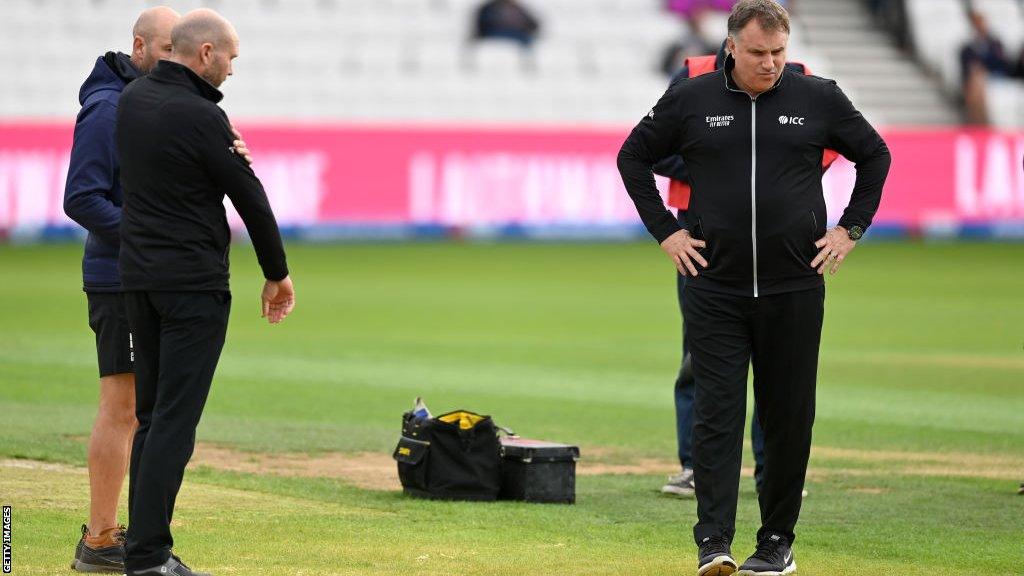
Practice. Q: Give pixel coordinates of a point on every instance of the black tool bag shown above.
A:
(455, 456)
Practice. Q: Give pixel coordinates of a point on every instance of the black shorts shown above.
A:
(108, 319)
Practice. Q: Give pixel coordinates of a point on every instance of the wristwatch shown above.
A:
(855, 233)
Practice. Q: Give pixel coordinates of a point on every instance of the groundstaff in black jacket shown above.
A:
(755, 246)
(177, 164)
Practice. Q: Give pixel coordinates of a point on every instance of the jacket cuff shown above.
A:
(849, 221)
(275, 272)
(664, 227)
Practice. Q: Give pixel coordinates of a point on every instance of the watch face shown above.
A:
(855, 232)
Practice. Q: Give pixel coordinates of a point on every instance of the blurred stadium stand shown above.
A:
(887, 84)
(939, 28)
(390, 60)
(411, 60)
(380, 118)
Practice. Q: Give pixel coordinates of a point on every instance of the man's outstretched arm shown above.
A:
(233, 174)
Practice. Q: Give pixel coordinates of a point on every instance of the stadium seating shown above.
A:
(374, 60)
(411, 60)
(938, 47)
(885, 82)
(1004, 99)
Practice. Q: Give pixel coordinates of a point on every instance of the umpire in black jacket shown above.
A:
(755, 246)
(177, 164)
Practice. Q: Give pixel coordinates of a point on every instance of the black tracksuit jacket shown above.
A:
(177, 164)
(755, 168)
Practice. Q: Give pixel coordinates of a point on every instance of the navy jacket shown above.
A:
(92, 194)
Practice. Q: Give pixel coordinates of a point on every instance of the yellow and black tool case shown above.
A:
(459, 456)
(455, 456)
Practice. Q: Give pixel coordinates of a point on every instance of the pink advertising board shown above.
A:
(467, 178)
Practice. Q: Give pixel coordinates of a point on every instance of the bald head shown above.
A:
(199, 27)
(154, 21)
(151, 37)
(206, 42)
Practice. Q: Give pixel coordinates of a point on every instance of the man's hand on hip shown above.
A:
(682, 250)
(834, 246)
(278, 299)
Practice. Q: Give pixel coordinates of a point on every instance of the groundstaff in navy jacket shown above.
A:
(93, 199)
(755, 246)
(177, 164)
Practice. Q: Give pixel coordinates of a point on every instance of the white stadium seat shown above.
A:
(939, 46)
(1004, 100)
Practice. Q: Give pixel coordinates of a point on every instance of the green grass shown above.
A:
(919, 436)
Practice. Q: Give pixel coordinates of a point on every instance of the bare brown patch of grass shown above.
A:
(641, 466)
(369, 470)
(377, 471)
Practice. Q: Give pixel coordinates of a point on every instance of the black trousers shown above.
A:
(781, 334)
(178, 338)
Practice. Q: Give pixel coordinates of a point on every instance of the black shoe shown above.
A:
(714, 557)
(108, 559)
(173, 567)
(773, 557)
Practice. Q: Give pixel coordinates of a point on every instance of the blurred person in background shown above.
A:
(755, 246)
(178, 162)
(692, 43)
(692, 8)
(506, 20)
(93, 198)
(982, 56)
(701, 35)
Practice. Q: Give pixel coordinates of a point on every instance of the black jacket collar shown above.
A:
(174, 73)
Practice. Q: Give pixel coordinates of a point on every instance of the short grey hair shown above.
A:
(768, 13)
